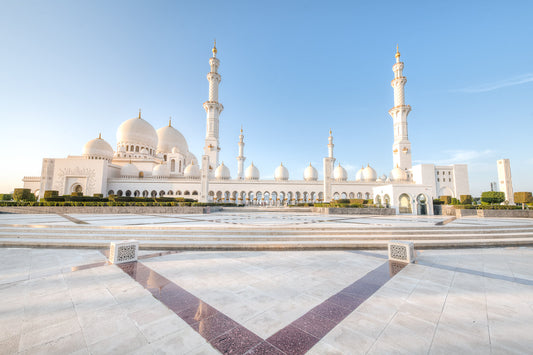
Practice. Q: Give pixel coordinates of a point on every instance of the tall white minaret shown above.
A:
(241, 158)
(329, 162)
(213, 109)
(330, 145)
(401, 148)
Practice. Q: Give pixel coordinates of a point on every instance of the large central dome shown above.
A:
(168, 138)
(138, 132)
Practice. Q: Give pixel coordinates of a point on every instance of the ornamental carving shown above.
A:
(63, 174)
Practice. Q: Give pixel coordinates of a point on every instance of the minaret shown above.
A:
(213, 109)
(330, 145)
(329, 162)
(241, 158)
(401, 148)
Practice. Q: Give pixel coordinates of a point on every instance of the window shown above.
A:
(450, 179)
(437, 173)
(449, 173)
(438, 180)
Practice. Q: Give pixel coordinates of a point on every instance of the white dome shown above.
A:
(369, 174)
(360, 174)
(144, 151)
(98, 148)
(281, 173)
(170, 138)
(129, 170)
(161, 171)
(251, 173)
(340, 174)
(192, 171)
(137, 131)
(398, 174)
(310, 173)
(222, 172)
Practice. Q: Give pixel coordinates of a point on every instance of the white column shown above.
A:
(204, 191)
(241, 158)
(329, 162)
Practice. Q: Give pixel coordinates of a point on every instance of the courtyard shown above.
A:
(467, 300)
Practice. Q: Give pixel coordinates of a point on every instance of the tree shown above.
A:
(492, 197)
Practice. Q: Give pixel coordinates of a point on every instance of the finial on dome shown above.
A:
(139, 113)
(170, 121)
(99, 135)
(214, 50)
(310, 164)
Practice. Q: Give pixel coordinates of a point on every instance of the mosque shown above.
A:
(158, 163)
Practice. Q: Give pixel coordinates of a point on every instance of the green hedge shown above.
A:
(492, 197)
(523, 197)
(23, 195)
(466, 199)
(50, 193)
(6, 197)
(447, 200)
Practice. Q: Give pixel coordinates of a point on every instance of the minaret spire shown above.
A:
(401, 148)
(213, 109)
(241, 158)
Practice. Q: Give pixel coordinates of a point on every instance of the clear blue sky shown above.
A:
(291, 70)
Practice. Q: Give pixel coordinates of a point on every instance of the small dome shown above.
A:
(340, 174)
(360, 174)
(222, 172)
(310, 173)
(191, 157)
(251, 173)
(98, 148)
(161, 171)
(192, 171)
(138, 132)
(129, 170)
(170, 138)
(144, 151)
(369, 174)
(398, 174)
(281, 173)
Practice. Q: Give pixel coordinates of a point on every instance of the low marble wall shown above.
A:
(366, 211)
(109, 209)
(505, 213)
(465, 213)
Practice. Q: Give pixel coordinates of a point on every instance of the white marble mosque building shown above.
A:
(158, 163)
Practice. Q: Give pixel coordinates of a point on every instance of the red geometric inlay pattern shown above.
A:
(230, 337)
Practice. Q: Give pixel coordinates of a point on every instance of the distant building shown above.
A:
(505, 180)
(150, 163)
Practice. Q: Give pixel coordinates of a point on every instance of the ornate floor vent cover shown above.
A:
(123, 252)
(401, 251)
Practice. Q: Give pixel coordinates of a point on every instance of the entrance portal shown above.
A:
(405, 204)
(422, 205)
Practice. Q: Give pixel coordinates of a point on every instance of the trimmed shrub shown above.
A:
(23, 195)
(50, 193)
(455, 201)
(357, 201)
(466, 199)
(76, 194)
(98, 195)
(446, 199)
(523, 197)
(437, 202)
(6, 197)
(491, 197)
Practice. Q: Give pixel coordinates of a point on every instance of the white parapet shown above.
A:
(401, 251)
(124, 251)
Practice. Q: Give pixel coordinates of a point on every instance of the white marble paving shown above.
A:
(452, 301)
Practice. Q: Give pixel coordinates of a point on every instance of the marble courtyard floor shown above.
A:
(58, 301)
